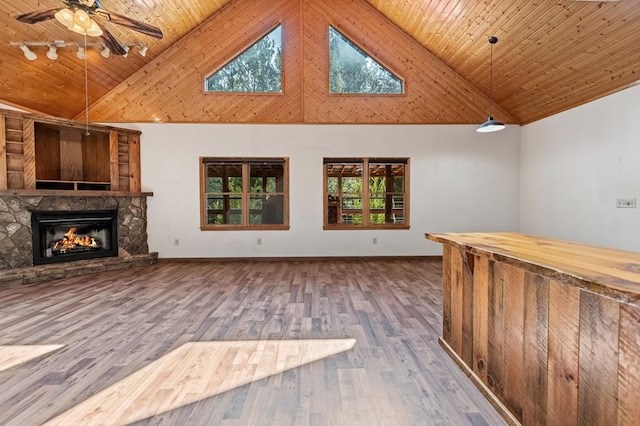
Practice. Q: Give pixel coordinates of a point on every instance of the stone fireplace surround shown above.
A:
(16, 250)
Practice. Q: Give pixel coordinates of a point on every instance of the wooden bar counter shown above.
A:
(549, 330)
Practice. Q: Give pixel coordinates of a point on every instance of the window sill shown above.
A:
(245, 228)
(351, 227)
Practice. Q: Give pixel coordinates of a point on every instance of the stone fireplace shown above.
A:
(18, 212)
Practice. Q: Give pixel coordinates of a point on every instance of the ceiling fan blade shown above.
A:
(111, 42)
(38, 16)
(132, 24)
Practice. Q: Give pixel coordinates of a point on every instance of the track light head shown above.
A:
(28, 53)
(105, 52)
(52, 53)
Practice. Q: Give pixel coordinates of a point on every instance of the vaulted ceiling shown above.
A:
(552, 55)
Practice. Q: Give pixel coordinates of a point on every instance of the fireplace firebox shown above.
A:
(64, 236)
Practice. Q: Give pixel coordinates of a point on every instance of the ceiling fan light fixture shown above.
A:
(126, 51)
(143, 50)
(491, 125)
(82, 19)
(65, 17)
(94, 30)
(28, 53)
(79, 22)
(52, 53)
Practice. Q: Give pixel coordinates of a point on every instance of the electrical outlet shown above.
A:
(176, 242)
(626, 203)
(259, 241)
(374, 241)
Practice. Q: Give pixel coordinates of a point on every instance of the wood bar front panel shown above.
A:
(547, 351)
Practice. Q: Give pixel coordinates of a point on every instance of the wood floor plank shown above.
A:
(148, 346)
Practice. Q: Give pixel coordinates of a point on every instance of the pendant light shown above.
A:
(490, 125)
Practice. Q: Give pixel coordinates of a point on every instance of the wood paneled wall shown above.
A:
(170, 88)
(551, 352)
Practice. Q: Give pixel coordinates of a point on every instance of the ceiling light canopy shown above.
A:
(491, 125)
(79, 21)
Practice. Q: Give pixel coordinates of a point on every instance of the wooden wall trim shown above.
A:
(135, 183)
(29, 164)
(296, 259)
(114, 164)
(3, 154)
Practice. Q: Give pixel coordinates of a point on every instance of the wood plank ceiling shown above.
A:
(552, 55)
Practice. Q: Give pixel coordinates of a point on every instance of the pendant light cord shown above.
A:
(491, 80)
(86, 88)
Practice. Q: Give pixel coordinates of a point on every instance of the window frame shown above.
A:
(241, 51)
(366, 51)
(366, 194)
(245, 194)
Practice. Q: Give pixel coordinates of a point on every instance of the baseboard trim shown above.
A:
(297, 259)
(484, 389)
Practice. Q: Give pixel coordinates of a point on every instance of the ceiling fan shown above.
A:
(78, 17)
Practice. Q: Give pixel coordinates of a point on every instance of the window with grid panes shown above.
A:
(366, 193)
(244, 193)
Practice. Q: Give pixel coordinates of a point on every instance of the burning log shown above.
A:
(73, 242)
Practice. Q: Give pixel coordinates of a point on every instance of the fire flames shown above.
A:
(72, 241)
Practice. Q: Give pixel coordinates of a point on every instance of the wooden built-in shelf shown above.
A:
(49, 154)
(73, 185)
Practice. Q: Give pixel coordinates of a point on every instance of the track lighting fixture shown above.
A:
(491, 125)
(55, 46)
(28, 53)
(52, 53)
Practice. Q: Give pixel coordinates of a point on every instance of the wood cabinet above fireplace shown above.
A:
(43, 153)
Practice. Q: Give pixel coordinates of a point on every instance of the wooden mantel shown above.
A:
(549, 330)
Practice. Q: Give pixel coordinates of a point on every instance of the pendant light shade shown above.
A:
(491, 125)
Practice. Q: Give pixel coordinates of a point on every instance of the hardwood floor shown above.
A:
(235, 343)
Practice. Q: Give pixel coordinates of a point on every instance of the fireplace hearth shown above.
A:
(64, 236)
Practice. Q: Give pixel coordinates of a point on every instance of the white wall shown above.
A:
(460, 181)
(574, 166)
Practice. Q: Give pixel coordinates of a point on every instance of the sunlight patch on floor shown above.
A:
(193, 372)
(13, 355)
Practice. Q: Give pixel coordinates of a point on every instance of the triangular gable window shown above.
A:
(351, 70)
(257, 69)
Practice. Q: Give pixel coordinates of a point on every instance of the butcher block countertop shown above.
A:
(609, 272)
